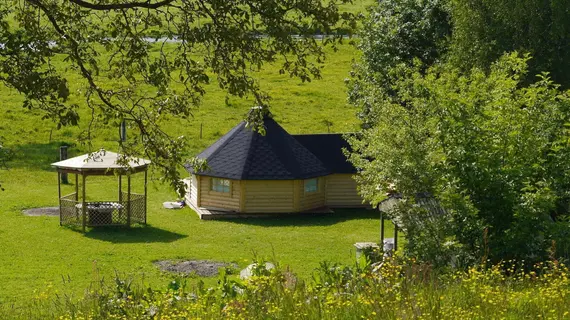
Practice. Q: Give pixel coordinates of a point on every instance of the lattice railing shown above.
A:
(69, 214)
(138, 207)
(103, 213)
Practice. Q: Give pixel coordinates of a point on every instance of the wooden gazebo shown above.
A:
(424, 200)
(129, 208)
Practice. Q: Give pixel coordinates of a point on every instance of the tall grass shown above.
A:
(394, 289)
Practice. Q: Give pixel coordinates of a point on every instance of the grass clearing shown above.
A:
(36, 252)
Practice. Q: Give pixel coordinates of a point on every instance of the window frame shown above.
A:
(316, 185)
(221, 184)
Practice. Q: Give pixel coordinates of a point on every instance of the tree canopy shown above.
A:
(492, 151)
(396, 32)
(142, 61)
(464, 101)
(485, 30)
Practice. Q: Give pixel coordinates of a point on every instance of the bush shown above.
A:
(493, 152)
(395, 289)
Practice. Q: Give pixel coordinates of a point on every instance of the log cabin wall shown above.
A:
(191, 190)
(269, 196)
(219, 200)
(312, 200)
(341, 191)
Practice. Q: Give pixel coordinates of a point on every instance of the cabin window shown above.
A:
(220, 185)
(312, 185)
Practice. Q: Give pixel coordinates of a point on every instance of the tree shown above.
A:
(112, 44)
(396, 32)
(492, 151)
(484, 30)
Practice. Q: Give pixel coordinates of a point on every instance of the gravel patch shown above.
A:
(45, 211)
(203, 268)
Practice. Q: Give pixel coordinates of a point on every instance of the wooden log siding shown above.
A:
(269, 196)
(341, 192)
(191, 190)
(194, 190)
(219, 200)
(312, 200)
(188, 196)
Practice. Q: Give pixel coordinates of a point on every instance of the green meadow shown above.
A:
(36, 252)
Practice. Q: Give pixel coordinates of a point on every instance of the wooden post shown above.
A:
(120, 188)
(198, 191)
(382, 229)
(145, 196)
(201, 124)
(123, 131)
(84, 203)
(59, 194)
(121, 208)
(395, 237)
(128, 200)
(76, 196)
(63, 156)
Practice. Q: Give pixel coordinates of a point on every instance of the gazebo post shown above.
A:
(145, 197)
(59, 194)
(128, 200)
(84, 204)
(120, 187)
(382, 228)
(76, 194)
(395, 237)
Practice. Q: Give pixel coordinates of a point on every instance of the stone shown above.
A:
(365, 246)
(388, 246)
(248, 271)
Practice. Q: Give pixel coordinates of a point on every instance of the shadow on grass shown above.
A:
(36, 155)
(142, 234)
(308, 219)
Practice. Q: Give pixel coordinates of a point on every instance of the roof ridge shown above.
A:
(322, 134)
(247, 162)
(233, 132)
(295, 165)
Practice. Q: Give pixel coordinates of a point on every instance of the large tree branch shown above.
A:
(75, 51)
(118, 6)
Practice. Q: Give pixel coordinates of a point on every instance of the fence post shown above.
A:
(63, 156)
(128, 200)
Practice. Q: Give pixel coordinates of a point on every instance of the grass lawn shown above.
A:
(36, 252)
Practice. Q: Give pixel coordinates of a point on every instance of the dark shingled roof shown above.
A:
(243, 154)
(328, 148)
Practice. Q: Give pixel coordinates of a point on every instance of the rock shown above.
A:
(388, 246)
(248, 271)
(365, 248)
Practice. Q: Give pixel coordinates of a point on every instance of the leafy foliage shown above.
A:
(161, 54)
(394, 290)
(396, 32)
(484, 30)
(492, 151)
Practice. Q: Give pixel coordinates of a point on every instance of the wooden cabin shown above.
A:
(273, 173)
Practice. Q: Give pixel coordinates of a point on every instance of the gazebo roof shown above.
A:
(99, 162)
